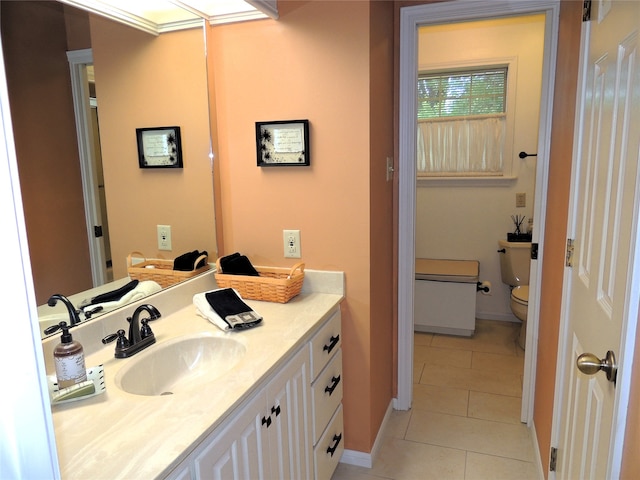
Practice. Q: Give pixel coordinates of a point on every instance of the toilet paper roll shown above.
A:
(485, 287)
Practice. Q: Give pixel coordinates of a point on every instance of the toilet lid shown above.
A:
(521, 294)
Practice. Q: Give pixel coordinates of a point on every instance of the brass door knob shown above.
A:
(589, 364)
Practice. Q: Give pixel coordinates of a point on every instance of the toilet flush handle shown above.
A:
(502, 250)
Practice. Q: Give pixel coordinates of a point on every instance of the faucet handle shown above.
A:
(145, 330)
(122, 339)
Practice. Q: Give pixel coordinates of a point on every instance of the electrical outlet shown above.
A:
(164, 237)
(291, 240)
(521, 200)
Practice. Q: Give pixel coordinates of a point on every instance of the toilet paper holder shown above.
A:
(484, 287)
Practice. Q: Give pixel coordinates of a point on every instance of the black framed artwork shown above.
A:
(283, 143)
(159, 147)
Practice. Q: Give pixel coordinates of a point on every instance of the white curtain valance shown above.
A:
(461, 147)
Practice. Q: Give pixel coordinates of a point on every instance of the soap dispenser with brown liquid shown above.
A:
(69, 360)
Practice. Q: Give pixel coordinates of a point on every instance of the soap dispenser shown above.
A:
(69, 360)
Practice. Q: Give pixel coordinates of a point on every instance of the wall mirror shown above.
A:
(129, 62)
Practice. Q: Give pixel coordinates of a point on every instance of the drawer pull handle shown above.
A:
(335, 381)
(332, 343)
(336, 442)
(276, 410)
(266, 421)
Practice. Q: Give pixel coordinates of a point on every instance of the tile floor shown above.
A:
(465, 419)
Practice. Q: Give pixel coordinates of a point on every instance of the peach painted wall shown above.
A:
(43, 120)
(77, 26)
(316, 63)
(148, 81)
(381, 211)
(556, 221)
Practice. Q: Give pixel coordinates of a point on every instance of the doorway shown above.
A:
(411, 18)
(88, 131)
(462, 215)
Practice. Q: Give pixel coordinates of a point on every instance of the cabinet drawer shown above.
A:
(329, 450)
(325, 344)
(326, 395)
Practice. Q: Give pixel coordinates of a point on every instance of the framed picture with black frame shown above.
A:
(159, 147)
(283, 143)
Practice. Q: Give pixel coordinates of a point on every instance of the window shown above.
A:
(462, 122)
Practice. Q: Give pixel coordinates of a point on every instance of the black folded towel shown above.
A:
(224, 261)
(236, 264)
(114, 295)
(184, 262)
(230, 307)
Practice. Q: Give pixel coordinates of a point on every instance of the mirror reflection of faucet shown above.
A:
(74, 319)
(139, 337)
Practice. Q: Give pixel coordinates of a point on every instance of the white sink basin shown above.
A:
(179, 365)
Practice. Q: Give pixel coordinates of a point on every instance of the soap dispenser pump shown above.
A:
(69, 359)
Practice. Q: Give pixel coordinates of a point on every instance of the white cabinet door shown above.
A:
(240, 450)
(289, 434)
(270, 436)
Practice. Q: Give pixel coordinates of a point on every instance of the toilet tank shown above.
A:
(515, 262)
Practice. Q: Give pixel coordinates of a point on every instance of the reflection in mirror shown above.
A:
(141, 80)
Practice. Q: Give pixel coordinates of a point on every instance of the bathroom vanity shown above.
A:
(275, 413)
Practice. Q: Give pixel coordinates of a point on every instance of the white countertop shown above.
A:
(120, 435)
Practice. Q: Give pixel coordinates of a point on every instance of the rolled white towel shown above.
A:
(142, 290)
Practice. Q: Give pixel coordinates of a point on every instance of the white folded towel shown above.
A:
(204, 310)
(142, 290)
(238, 314)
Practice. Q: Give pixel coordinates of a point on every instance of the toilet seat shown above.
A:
(520, 294)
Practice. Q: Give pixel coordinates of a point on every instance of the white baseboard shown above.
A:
(362, 459)
(354, 457)
(502, 317)
(536, 452)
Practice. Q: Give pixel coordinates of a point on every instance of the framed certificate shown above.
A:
(159, 147)
(283, 143)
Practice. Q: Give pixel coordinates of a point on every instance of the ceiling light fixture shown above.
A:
(159, 16)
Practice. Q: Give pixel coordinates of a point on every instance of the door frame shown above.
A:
(27, 436)
(78, 60)
(411, 18)
(625, 355)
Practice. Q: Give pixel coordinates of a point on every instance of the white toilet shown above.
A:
(515, 259)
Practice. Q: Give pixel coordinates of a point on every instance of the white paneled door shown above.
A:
(601, 300)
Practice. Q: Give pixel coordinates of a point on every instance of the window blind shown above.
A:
(462, 94)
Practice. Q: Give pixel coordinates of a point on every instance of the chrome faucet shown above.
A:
(74, 319)
(139, 337)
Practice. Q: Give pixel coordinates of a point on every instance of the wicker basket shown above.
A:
(161, 271)
(273, 285)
